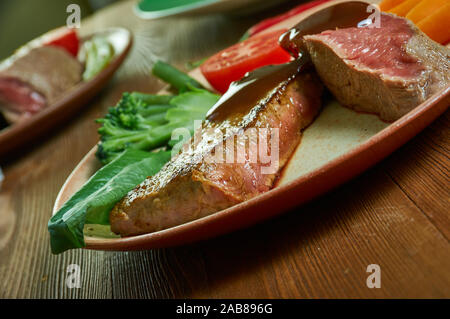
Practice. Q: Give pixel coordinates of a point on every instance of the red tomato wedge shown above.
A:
(64, 38)
(232, 63)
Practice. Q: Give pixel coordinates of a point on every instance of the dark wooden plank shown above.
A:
(421, 169)
(322, 250)
(30, 188)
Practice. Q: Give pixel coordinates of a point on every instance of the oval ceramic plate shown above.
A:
(208, 7)
(21, 133)
(339, 145)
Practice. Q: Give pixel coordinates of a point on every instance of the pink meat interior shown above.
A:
(382, 49)
(19, 97)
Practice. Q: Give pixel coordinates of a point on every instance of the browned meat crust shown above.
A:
(191, 186)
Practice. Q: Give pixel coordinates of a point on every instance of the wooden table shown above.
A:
(395, 215)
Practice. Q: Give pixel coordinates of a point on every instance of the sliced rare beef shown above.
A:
(387, 70)
(31, 82)
(19, 99)
(197, 183)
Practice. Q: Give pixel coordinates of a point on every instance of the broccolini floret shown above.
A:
(146, 122)
(129, 125)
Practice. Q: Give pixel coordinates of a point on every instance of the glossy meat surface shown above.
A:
(203, 178)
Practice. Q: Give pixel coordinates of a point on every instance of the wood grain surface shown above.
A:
(395, 215)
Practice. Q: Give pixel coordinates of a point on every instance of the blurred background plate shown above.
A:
(155, 9)
(21, 134)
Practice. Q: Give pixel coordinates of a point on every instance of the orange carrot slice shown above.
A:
(403, 8)
(386, 5)
(437, 25)
(424, 9)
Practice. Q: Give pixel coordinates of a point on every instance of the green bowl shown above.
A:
(154, 9)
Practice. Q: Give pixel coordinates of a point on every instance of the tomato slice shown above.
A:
(232, 63)
(64, 38)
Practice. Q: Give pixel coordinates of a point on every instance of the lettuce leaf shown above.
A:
(93, 202)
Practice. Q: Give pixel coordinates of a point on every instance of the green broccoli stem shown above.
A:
(154, 110)
(142, 140)
(152, 99)
(174, 77)
(158, 136)
(109, 129)
(118, 144)
(153, 120)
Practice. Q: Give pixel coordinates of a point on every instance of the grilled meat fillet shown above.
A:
(195, 183)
